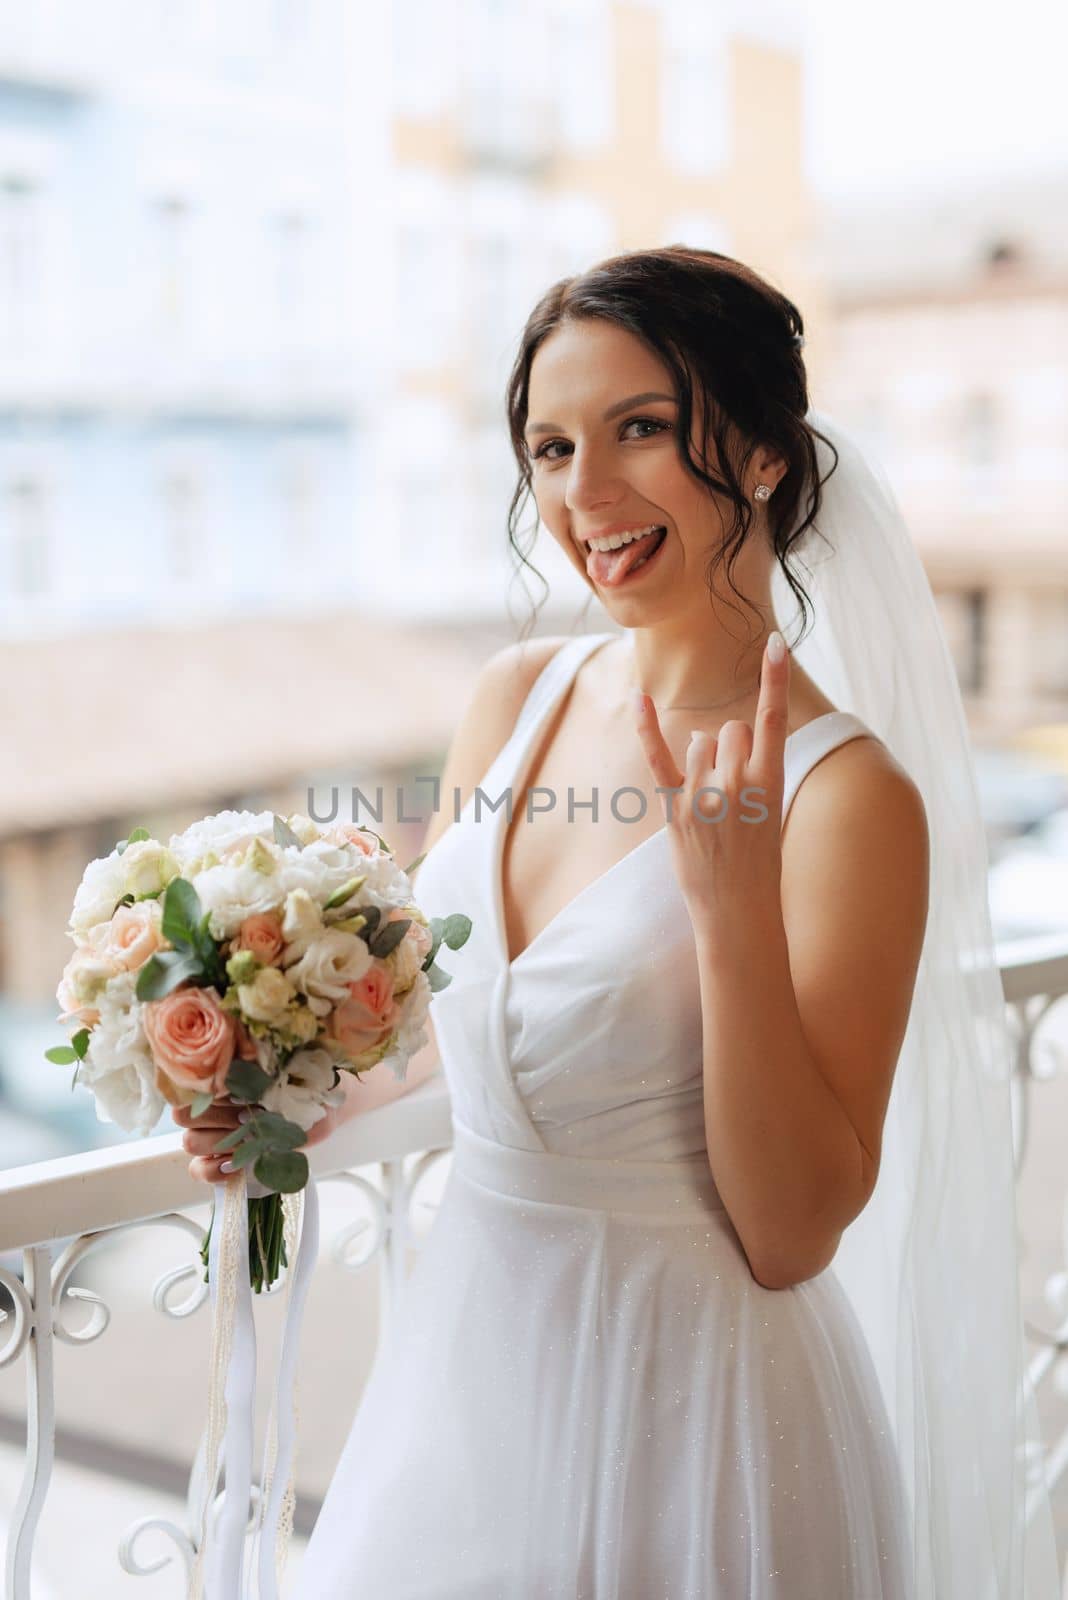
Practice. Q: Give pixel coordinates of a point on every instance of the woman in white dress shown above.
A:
(626, 1368)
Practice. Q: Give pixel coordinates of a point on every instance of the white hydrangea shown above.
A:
(118, 1066)
(218, 832)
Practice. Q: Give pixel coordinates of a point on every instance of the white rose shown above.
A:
(267, 996)
(305, 1089)
(148, 867)
(101, 889)
(330, 964)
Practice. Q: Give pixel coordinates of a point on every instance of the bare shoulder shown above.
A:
(858, 823)
(487, 720)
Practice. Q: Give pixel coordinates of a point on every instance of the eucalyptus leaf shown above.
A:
(283, 1172)
(390, 937)
(283, 833)
(61, 1054)
(80, 1043)
(200, 1103)
(248, 1152)
(246, 1080)
(439, 978)
(235, 1136)
(373, 915)
(457, 930)
(277, 1131)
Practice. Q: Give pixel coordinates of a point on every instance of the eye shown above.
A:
(657, 424)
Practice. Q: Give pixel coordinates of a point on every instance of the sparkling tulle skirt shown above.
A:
(590, 1397)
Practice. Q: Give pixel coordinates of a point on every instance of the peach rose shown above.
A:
(262, 934)
(192, 1040)
(368, 1015)
(349, 833)
(135, 934)
(81, 984)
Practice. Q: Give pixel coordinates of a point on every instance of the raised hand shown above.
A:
(726, 844)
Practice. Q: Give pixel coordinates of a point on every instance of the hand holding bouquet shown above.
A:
(252, 959)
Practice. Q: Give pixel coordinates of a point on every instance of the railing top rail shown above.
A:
(129, 1182)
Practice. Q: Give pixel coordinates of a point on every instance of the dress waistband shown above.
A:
(682, 1188)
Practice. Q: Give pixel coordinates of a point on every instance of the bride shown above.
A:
(730, 1191)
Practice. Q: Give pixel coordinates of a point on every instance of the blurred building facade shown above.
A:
(262, 271)
(948, 349)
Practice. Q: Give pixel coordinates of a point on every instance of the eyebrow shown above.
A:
(613, 411)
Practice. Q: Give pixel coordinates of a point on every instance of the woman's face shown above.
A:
(601, 433)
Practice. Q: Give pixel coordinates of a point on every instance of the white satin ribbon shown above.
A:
(218, 1572)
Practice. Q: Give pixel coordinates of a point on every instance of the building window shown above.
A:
(171, 220)
(20, 265)
(182, 525)
(290, 244)
(28, 554)
(694, 99)
(979, 434)
(972, 667)
(301, 516)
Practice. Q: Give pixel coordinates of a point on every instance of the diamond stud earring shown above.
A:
(761, 492)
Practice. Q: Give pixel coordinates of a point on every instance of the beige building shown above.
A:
(949, 352)
(518, 144)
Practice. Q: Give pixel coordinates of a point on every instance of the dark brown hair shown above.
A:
(717, 325)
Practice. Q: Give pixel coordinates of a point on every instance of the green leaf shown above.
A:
(181, 911)
(248, 1152)
(164, 971)
(439, 979)
(410, 868)
(246, 1080)
(80, 1043)
(61, 1054)
(235, 1136)
(277, 1131)
(283, 833)
(201, 1102)
(436, 926)
(374, 916)
(284, 1172)
(137, 835)
(74, 1078)
(457, 930)
(390, 937)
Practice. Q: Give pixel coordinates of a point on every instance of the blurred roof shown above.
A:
(989, 237)
(100, 724)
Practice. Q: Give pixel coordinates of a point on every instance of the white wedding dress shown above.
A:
(589, 1396)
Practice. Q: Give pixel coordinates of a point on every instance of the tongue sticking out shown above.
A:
(609, 567)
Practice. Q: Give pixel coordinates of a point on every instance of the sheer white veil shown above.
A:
(930, 1266)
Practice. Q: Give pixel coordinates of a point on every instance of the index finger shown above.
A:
(773, 706)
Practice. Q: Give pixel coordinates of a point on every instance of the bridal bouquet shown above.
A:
(251, 957)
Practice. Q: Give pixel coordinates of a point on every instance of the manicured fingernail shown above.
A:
(244, 1116)
(776, 647)
(226, 1166)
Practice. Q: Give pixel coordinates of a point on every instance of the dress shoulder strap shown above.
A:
(551, 682)
(809, 744)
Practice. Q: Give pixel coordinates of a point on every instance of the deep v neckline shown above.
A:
(518, 779)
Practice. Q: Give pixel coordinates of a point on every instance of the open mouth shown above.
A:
(610, 568)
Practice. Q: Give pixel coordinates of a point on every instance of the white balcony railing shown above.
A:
(57, 1212)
